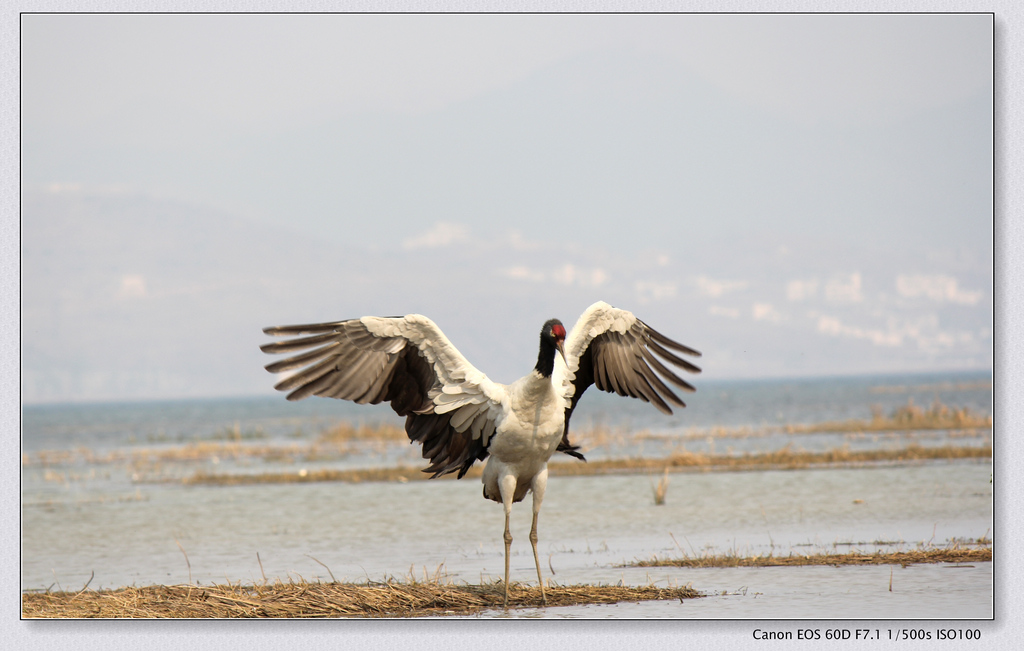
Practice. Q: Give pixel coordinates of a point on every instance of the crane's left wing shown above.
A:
(617, 352)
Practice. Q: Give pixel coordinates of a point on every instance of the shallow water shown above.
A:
(103, 521)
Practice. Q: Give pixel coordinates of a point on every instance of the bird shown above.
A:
(459, 415)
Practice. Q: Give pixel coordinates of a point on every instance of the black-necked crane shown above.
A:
(459, 415)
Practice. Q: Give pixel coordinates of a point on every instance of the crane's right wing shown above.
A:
(450, 406)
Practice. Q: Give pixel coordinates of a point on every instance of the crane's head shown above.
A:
(554, 332)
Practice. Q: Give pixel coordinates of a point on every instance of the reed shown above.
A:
(318, 600)
(909, 417)
(342, 439)
(661, 490)
(904, 558)
(230, 444)
(784, 459)
(345, 431)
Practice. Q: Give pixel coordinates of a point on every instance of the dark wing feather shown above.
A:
(627, 363)
(346, 360)
(624, 364)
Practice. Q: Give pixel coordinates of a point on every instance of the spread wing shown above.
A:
(451, 408)
(617, 352)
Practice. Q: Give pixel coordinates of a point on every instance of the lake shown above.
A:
(91, 511)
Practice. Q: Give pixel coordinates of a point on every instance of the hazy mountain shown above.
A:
(129, 296)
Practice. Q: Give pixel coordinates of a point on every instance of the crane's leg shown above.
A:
(540, 482)
(507, 486)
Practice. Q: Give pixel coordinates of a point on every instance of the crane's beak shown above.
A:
(560, 344)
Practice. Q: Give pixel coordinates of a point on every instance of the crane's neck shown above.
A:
(546, 357)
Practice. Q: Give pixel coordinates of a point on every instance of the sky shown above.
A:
(792, 195)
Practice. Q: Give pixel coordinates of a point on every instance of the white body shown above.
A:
(527, 434)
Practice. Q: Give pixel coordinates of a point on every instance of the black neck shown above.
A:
(546, 358)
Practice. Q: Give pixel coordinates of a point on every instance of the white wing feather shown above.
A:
(596, 320)
(460, 385)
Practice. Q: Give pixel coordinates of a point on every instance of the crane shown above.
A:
(459, 415)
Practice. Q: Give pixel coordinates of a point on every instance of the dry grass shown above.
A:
(335, 442)
(238, 449)
(304, 600)
(354, 476)
(661, 490)
(947, 555)
(233, 445)
(909, 417)
(345, 431)
(784, 459)
(190, 452)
